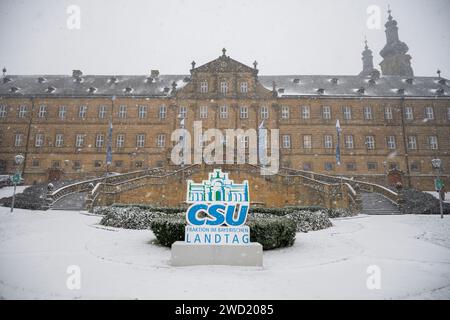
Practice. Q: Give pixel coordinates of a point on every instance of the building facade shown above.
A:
(391, 120)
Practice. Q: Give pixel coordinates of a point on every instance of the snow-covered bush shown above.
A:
(340, 212)
(32, 198)
(129, 218)
(305, 220)
(271, 232)
(309, 221)
(418, 202)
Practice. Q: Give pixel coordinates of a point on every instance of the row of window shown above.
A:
(414, 166)
(348, 142)
(369, 142)
(82, 111)
(80, 140)
(77, 164)
(429, 113)
(223, 87)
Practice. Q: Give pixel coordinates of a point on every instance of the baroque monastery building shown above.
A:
(392, 121)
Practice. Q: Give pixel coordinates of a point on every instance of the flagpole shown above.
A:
(262, 140)
(338, 151)
(109, 145)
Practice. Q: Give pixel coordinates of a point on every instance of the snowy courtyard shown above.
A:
(38, 247)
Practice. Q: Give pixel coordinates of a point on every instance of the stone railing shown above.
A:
(87, 185)
(330, 189)
(356, 185)
(121, 185)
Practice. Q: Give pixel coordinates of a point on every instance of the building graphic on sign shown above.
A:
(218, 188)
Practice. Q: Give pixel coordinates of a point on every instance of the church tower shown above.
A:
(396, 61)
(367, 59)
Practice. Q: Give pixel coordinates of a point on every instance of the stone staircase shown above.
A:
(376, 204)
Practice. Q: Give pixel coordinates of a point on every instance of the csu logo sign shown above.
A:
(219, 198)
(218, 210)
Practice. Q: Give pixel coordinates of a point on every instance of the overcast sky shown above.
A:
(284, 36)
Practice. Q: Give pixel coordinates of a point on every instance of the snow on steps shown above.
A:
(376, 204)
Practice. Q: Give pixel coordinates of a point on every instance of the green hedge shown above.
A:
(168, 230)
(271, 233)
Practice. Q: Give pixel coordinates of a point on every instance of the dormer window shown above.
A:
(14, 89)
(361, 90)
(372, 82)
(296, 80)
(223, 87)
(50, 89)
(442, 82)
(42, 80)
(320, 91)
(334, 80)
(204, 86)
(6, 79)
(113, 80)
(92, 90)
(244, 87)
(409, 81)
(440, 91)
(128, 90)
(149, 80)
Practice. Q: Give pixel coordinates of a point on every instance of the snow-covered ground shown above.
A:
(8, 191)
(36, 249)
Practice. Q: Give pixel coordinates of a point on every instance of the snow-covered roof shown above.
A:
(90, 85)
(351, 86)
(162, 85)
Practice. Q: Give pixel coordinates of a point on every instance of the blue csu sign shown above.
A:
(218, 211)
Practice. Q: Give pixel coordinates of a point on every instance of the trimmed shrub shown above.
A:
(168, 230)
(309, 221)
(340, 212)
(332, 213)
(130, 218)
(272, 233)
(271, 230)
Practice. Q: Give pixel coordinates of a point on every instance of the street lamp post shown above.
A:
(437, 163)
(18, 159)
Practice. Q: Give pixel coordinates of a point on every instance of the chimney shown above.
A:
(77, 73)
(154, 73)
